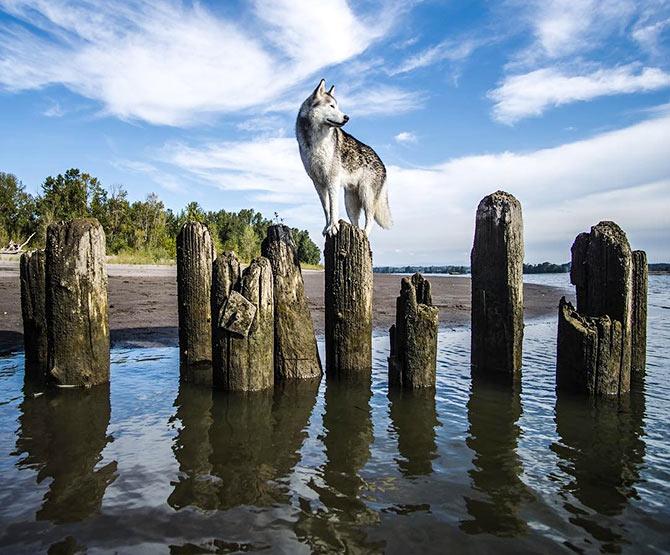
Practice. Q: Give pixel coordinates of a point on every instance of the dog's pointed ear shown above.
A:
(331, 91)
(320, 89)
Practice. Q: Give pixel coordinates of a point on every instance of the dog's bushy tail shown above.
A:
(382, 210)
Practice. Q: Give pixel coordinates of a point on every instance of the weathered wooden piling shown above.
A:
(76, 303)
(348, 301)
(243, 327)
(413, 358)
(588, 352)
(595, 340)
(638, 359)
(296, 354)
(497, 287)
(195, 254)
(33, 310)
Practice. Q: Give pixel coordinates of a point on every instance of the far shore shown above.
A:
(143, 303)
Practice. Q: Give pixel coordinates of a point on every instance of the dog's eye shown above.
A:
(332, 105)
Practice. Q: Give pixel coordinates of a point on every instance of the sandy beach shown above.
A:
(143, 303)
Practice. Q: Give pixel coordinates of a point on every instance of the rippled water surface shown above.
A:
(151, 466)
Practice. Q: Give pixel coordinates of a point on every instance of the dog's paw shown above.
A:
(331, 230)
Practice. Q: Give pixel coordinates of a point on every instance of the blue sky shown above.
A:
(565, 104)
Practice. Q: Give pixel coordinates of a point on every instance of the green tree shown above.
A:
(17, 220)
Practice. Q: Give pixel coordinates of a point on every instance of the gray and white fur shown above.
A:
(334, 160)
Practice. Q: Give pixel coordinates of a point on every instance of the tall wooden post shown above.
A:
(413, 358)
(195, 254)
(244, 325)
(296, 353)
(497, 287)
(348, 302)
(638, 359)
(76, 303)
(33, 310)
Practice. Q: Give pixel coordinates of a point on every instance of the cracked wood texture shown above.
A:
(497, 287)
(33, 310)
(243, 363)
(588, 352)
(638, 359)
(76, 303)
(348, 304)
(413, 357)
(602, 272)
(296, 352)
(195, 255)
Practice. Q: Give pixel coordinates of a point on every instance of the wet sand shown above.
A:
(143, 303)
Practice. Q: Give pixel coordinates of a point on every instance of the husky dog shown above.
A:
(334, 159)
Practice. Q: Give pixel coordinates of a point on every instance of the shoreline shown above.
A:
(143, 304)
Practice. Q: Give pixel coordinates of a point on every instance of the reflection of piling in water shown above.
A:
(347, 422)
(243, 326)
(601, 447)
(76, 303)
(497, 287)
(195, 254)
(192, 448)
(598, 341)
(296, 354)
(62, 433)
(33, 310)
(413, 358)
(414, 419)
(348, 302)
(493, 413)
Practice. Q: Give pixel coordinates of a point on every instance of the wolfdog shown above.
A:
(334, 159)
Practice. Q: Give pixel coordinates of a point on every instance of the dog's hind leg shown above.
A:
(367, 201)
(353, 204)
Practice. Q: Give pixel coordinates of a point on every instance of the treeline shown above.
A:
(455, 270)
(546, 268)
(141, 228)
(542, 268)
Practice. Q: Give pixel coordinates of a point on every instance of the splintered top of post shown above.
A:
(417, 286)
(78, 225)
(194, 226)
(279, 232)
(498, 205)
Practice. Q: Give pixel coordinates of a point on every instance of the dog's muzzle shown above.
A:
(332, 123)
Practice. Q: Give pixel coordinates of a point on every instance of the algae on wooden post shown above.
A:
(195, 254)
(497, 287)
(348, 302)
(296, 353)
(33, 310)
(244, 325)
(413, 358)
(76, 303)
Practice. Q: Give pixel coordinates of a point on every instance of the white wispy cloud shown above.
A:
(405, 137)
(451, 50)
(173, 63)
(381, 100)
(530, 94)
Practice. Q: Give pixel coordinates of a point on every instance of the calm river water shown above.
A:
(151, 466)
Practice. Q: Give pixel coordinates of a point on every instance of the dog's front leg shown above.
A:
(333, 225)
(325, 203)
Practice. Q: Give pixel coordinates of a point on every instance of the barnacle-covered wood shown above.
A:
(348, 304)
(243, 362)
(497, 287)
(413, 358)
(33, 310)
(296, 353)
(76, 303)
(195, 254)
